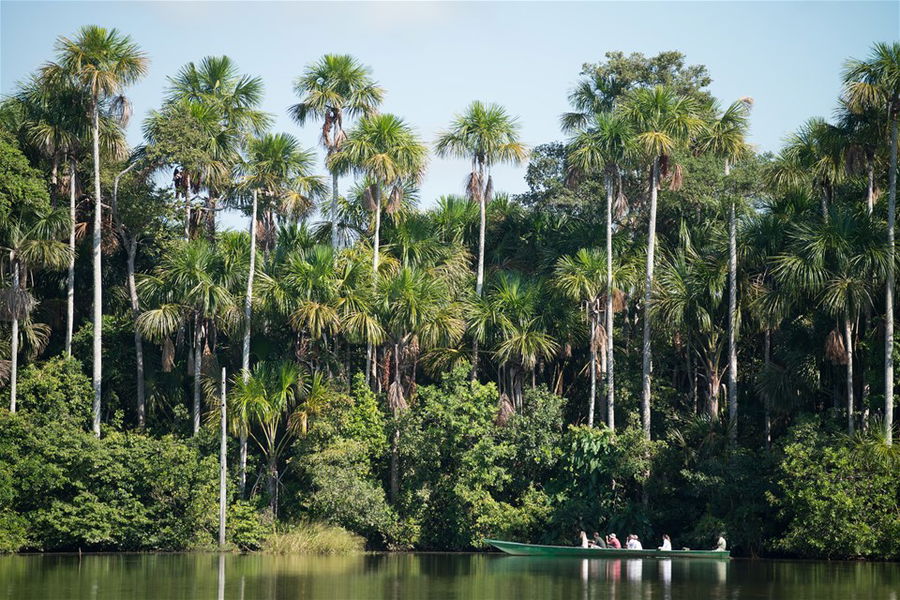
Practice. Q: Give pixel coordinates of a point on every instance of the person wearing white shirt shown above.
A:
(634, 543)
(667, 543)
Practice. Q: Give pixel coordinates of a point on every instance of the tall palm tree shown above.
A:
(725, 137)
(334, 87)
(837, 263)
(102, 62)
(30, 242)
(586, 278)
(216, 85)
(875, 83)
(604, 146)
(277, 168)
(487, 135)
(662, 122)
(387, 152)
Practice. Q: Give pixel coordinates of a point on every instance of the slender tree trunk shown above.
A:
(14, 350)
(334, 210)
(848, 335)
(223, 461)
(377, 242)
(198, 370)
(54, 179)
(732, 325)
(610, 362)
(70, 278)
(889, 294)
(97, 373)
(187, 205)
(593, 396)
(870, 187)
(245, 349)
(648, 299)
(138, 339)
(479, 275)
(395, 437)
(272, 470)
(714, 387)
(767, 401)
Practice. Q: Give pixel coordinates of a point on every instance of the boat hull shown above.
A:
(517, 549)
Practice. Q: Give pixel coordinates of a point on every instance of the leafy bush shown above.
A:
(246, 528)
(56, 390)
(838, 498)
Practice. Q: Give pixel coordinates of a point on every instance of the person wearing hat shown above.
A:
(613, 542)
(721, 544)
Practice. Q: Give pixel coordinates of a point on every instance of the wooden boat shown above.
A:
(517, 549)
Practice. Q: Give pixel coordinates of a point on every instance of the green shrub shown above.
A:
(56, 390)
(246, 527)
(838, 498)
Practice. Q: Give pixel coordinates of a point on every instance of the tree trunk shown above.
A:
(245, 348)
(593, 396)
(648, 291)
(223, 461)
(334, 210)
(870, 187)
(732, 325)
(97, 372)
(713, 388)
(14, 341)
(54, 178)
(187, 205)
(198, 369)
(610, 363)
(479, 275)
(138, 339)
(848, 335)
(272, 478)
(767, 402)
(377, 241)
(889, 294)
(70, 278)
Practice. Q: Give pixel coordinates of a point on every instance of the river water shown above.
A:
(433, 576)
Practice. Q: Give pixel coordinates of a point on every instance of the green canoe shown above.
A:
(518, 549)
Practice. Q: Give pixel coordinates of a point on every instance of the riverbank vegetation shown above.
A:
(670, 332)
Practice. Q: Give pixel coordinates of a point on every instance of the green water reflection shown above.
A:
(434, 576)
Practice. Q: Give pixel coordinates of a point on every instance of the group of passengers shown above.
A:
(633, 542)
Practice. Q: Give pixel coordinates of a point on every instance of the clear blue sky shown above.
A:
(434, 58)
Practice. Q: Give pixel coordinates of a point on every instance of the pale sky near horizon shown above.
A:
(434, 58)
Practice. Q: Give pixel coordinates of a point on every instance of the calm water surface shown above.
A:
(436, 576)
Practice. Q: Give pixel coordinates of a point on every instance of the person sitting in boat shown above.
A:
(667, 543)
(597, 541)
(612, 541)
(634, 543)
(721, 544)
(584, 540)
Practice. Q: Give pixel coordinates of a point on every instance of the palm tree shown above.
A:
(662, 122)
(487, 135)
(837, 263)
(724, 137)
(604, 146)
(335, 86)
(102, 62)
(418, 313)
(30, 241)
(875, 83)
(190, 288)
(216, 86)
(386, 151)
(268, 402)
(278, 168)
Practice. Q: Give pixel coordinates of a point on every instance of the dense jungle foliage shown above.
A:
(669, 333)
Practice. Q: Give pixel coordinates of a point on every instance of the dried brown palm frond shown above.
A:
(489, 189)
(620, 206)
(396, 401)
(835, 350)
(663, 166)
(619, 301)
(5, 371)
(369, 198)
(395, 200)
(505, 410)
(676, 178)
(474, 186)
(599, 338)
(16, 303)
(168, 355)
